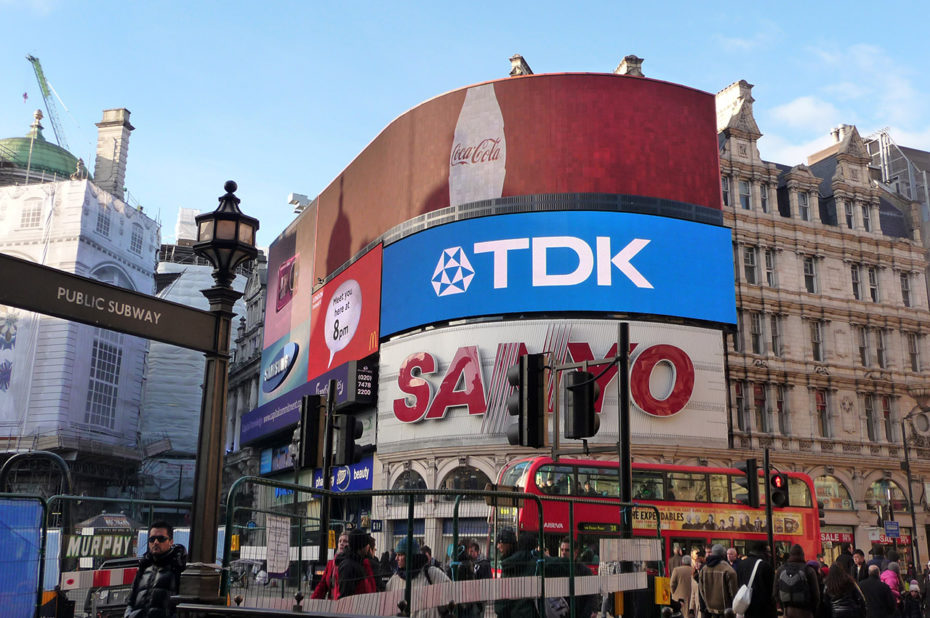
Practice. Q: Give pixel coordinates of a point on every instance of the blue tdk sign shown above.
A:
(560, 261)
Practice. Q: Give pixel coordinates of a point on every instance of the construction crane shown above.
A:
(46, 89)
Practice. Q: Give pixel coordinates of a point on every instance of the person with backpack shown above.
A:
(841, 596)
(419, 572)
(798, 593)
(892, 577)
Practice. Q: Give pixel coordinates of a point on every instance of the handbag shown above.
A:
(744, 595)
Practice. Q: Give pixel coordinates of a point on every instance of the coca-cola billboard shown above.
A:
(545, 135)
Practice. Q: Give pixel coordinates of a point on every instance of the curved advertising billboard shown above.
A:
(612, 262)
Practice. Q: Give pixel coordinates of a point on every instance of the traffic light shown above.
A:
(310, 431)
(346, 430)
(581, 393)
(527, 401)
(821, 513)
(778, 489)
(749, 480)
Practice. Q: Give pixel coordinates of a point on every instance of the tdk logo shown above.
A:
(454, 272)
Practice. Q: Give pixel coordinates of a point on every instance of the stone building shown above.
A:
(828, 367)
(65, 387)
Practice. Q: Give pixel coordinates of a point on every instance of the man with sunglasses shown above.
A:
(158, 576)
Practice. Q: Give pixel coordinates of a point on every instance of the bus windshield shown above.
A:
(514, 476)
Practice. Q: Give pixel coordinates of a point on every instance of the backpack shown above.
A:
(793, 589)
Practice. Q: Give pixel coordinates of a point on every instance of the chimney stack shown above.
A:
(518, 66)
(630, 65)
(112, 147)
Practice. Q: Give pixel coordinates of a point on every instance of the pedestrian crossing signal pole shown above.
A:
(769, 519)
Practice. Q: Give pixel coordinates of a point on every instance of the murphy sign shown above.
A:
(54, 292)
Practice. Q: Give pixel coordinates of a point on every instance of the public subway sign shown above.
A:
(64, 295)
(559, 261)
(449, 385)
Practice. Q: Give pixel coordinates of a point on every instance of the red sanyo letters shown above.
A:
(463, 385)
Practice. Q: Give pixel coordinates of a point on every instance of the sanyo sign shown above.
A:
(449, 385)
(559, 261)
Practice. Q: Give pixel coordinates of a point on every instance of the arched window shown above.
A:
(114, 276)
(465, 477)
(834, 495)
(880, 491)
(408, 479)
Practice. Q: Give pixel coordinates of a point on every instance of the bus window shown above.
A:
(799, 493)
(598, 482)
(648, 485)
(514, 476)
(557, 480)
(687, 486)
(719, 492)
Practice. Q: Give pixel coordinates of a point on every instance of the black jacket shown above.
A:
(763, 586)
(878, 597)
(156, 581)
(850, 604)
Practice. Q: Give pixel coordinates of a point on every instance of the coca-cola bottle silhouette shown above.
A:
(477, 163)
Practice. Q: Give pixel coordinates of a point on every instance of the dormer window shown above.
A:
(804, 207)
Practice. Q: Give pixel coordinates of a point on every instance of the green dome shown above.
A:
(46, 157)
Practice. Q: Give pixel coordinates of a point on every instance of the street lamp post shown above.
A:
(226, 238)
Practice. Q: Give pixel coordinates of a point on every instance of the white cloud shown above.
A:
(808, 113)
(778, 149)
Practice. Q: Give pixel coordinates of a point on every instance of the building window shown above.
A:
(408, 479)
(740, 401)
(745, 195)
(775, 333)
(135, 243)
(816, 328)
(770, 274)
(823, 412)
(31, 215)
(856, 272)
(887, 419)
(750, 265)
(879, 491)
(804, 207)
(865, 353)
(764, 197)
(906, 289)
(760, 408)
(465, 477)
(913, 351)
(781, 407)
(105, 361)
(810, 275)
(755, 332)
(725, 187)
(866, 218)
(833, 493)
(850, 217)
(873, 283)
(881, 353)
(103, 220)
(870, 423)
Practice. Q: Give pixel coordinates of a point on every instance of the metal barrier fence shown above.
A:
(22, 537)
(93, 554)
(272, 555)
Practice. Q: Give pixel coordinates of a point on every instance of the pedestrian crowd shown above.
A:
(707, 583)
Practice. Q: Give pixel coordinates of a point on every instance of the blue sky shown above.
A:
(281, 96)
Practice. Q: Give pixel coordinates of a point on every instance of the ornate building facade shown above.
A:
(828, 367)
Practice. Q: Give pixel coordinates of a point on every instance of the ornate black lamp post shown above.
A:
(225, 237)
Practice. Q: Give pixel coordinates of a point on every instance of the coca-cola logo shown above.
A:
(485, 151)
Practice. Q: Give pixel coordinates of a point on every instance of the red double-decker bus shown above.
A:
(698, 506)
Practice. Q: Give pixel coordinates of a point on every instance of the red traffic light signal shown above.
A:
(778, 489)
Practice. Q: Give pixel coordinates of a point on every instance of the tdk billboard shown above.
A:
(559, 261)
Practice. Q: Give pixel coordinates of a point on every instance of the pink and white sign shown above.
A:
(448, 387)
